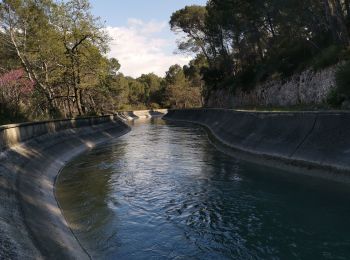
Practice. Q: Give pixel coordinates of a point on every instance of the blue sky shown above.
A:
(116, 13)
(142, 40)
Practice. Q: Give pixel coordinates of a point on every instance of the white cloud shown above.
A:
(141, 48)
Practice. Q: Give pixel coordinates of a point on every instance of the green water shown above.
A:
(164, 192)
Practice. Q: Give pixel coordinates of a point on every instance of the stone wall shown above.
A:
(306, 88)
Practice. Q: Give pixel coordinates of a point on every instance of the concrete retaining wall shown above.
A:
(17, 133)
(31, 223)
(32, 154)
(314, 140)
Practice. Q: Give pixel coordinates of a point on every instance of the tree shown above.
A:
(246, 42)
(194, 73)
(178, 91)
(153, 89)
(83, 41)
(62, 48)
(15, 91)
(30, 34)
(191, 21)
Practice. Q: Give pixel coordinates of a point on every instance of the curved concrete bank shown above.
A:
(32, 154)
(317, 141)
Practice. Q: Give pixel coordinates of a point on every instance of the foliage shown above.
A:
(246, 42)
(335, 99)
(15, 92)
(327, 57)
(179, 91)
(53, 64)
(343, 80)
(190, 20)
(53, 60)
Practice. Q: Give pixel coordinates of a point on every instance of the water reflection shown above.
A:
(164, 192)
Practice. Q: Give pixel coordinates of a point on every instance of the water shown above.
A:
(164, 192)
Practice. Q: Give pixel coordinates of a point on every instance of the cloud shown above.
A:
(143, 47)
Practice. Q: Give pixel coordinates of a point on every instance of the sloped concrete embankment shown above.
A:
(32, 154)
(319, 142)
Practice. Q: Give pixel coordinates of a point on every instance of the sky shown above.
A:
(140, 32)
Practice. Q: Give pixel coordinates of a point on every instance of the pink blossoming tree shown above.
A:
(15, 91)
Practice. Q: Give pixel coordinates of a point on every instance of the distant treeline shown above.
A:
(247, 42)
(53, 59)
(53, 64)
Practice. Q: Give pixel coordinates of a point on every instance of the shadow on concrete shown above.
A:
(314, 143)
(31, 222)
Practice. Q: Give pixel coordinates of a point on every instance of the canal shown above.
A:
(164, 192)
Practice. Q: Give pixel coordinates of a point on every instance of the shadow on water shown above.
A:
(165, 192)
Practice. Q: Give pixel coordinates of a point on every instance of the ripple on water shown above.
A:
(164, 192)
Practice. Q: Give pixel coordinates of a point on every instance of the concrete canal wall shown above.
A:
(318, 142)
(31, 157)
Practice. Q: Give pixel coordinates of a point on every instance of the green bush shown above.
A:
(7, 115)
(335, 99)
(55, 113)
(125, 107)
(154, 106)
(342, 77)
(91, 113)
(291, 57)
(327, 57)
(246, 79)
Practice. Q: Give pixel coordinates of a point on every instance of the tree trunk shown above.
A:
(336, 21)
(81, 101)
(341, 20)
(77, 101)
(347, 8)
(330, 20)
(93, 104)
(32, 75)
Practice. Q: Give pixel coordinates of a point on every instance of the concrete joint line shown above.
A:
(305, 138)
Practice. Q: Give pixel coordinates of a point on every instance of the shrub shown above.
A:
(246, 79)
(291, 57)
(154, 106)
(343, 80)
(124, 107)
(91, 113)
(327, 57)
(335, 99)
